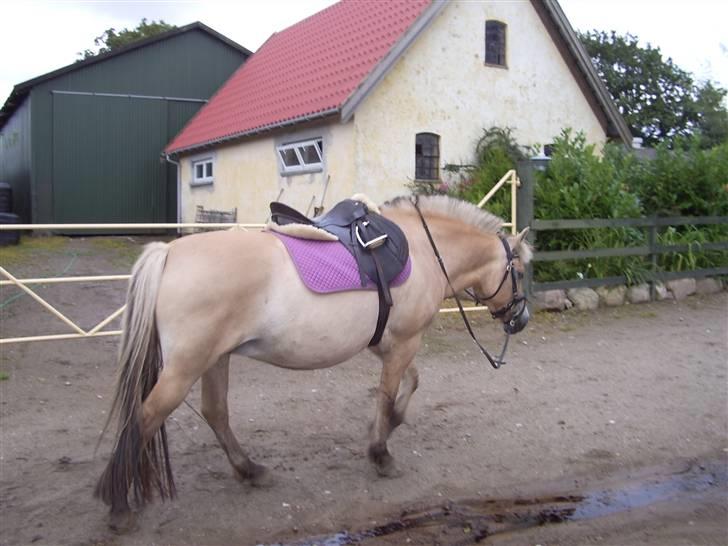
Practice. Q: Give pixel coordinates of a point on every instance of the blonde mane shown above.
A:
(453, 208)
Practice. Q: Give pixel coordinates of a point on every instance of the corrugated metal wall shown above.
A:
(15, 159)
(106, 163)
(97, 158)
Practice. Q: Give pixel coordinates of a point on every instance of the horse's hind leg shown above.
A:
(215, 411)
(390, 410)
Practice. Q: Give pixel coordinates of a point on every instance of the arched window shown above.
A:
(495, 43)
(427, 156)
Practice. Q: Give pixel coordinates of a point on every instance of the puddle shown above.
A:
(474, 520)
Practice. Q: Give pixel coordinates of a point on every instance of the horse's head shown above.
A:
(500, 286)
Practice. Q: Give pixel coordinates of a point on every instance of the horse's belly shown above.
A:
(320, 352)
(308, 331)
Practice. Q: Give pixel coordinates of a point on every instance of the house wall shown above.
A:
(441, 85)
(247, 175)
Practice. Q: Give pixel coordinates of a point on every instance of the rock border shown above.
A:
(587, 299)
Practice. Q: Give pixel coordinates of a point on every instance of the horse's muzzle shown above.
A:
(518, 321)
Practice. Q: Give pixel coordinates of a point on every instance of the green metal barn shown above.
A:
(82, 143)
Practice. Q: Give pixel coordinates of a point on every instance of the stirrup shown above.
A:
(374, 243)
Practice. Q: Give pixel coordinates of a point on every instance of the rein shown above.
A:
(495, 362)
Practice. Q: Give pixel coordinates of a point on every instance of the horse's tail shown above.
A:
(137, 462)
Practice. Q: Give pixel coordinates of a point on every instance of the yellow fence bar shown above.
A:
(106, 321)
(43, 302)
(80, 227)
(509, 178)
(57, 337)
(466, 309)
(59, 280)
(498, 185)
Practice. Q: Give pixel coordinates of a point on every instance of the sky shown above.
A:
(39, 36)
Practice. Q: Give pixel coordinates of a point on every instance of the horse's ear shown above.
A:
(522, 245)
(521, 235)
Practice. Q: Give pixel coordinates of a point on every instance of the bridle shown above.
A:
(515, 300)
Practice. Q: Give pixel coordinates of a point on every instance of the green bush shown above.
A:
(496, 153)
(581, 184)
(684, 181)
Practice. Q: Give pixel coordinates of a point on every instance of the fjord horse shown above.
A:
(194, 302)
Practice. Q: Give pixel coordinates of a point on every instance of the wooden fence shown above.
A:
(527, 174)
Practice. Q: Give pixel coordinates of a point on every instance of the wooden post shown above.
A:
(652, 243)
(524, 215)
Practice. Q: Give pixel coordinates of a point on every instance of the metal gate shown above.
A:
(98, 330)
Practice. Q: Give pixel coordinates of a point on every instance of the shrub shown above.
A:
(497, 152)
(581, 184)
(684, 181)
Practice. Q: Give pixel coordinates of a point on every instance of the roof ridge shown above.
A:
(20, 89)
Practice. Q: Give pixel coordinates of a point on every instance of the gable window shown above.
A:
(495, 43)
(304, 156)
(427, 156)
(202, 171)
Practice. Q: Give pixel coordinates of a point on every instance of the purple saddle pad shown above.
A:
(326, 266)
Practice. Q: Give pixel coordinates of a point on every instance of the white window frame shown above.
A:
(302, 166)
(203, 180)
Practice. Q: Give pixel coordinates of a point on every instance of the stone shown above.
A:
(584, 299)
(612, 297)
(661, 292)
(681, 288)
(708, 286)
(550, 300)
(639, 293)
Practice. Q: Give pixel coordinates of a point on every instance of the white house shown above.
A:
(367, 96)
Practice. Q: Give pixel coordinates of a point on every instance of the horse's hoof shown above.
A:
(122, 522)
(388, 470)
(384, 463)
(262, 477)
(257, 474)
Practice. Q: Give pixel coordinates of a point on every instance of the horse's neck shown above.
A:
(465, 250)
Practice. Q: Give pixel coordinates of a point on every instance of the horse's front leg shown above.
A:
(390, 408)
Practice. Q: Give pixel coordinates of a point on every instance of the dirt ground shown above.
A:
(609, 427)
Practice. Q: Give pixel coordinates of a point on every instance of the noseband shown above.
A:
(515, 299)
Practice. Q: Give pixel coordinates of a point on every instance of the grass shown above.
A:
(123, 250)
(4, 376)
(30, 247)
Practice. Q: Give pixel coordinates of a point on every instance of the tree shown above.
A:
(711, 116)
(110, 39)
(654, 95)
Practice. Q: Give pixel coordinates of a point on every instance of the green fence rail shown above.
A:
(527, 174)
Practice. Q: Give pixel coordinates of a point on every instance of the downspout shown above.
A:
(179, 188)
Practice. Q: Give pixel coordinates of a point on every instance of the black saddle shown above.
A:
(378, 245)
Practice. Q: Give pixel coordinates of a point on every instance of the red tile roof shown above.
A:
(309, 69)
